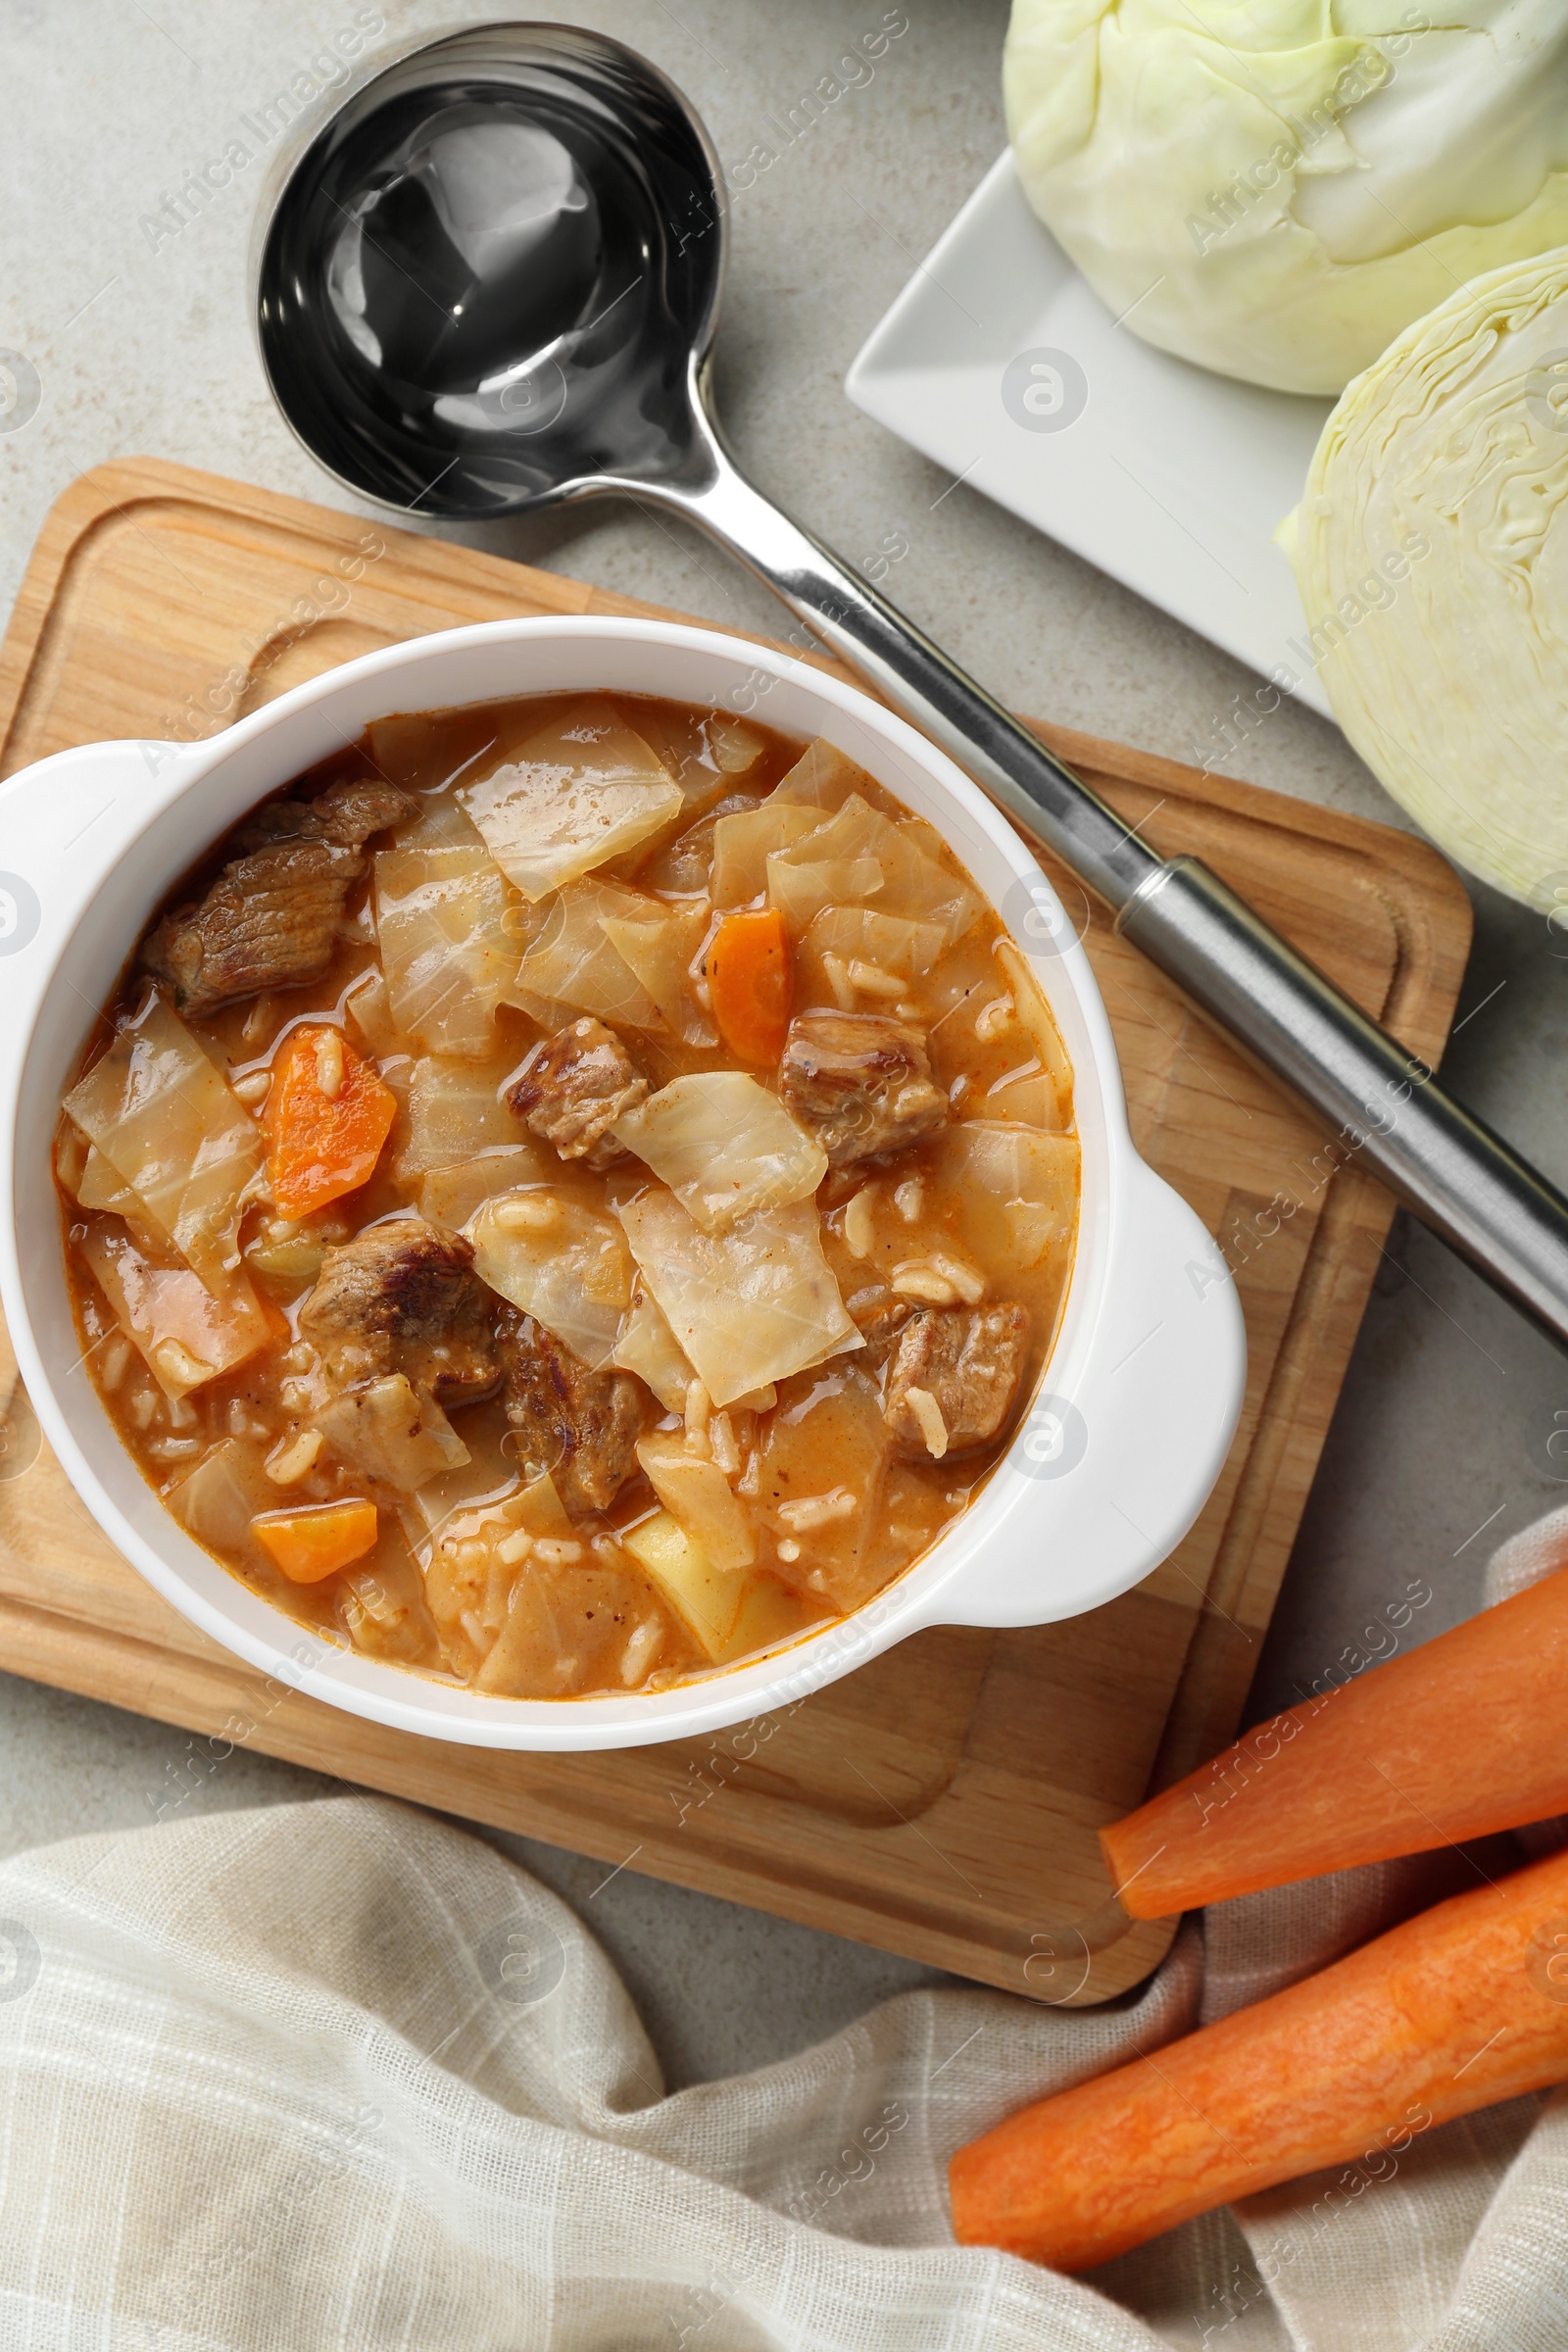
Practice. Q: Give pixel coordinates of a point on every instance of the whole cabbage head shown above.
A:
(1430, 548)
(1275, 188)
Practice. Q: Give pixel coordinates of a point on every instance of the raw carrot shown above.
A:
(329, 1114)
(751, 984)
(1461, 2007)
(1452, 1741)
(312, 1544)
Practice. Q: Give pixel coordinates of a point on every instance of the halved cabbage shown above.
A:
(725, 1145)
(185, 1332)
(567, 1267)
(748, 1306)
(1018, 1186)
(744, 842)
(648, 1347)
(392, 1433)
(585, 788)
(162, 1114)
(1428, 549)
(454, 1112)
(696, 1491)
(448, 942)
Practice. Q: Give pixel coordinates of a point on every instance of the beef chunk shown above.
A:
(404, 1297)
(270, 919)
(962, 1363)
(573, 1087)
(345, 814)
(863, 1081)
(580, 1426)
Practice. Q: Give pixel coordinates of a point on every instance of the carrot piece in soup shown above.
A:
(330, 1115)
(1453, 2011)
(751, 984)
(313, 1545)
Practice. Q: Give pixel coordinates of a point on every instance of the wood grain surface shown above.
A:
(942, 1802)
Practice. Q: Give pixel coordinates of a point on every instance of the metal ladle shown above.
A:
(490, 284)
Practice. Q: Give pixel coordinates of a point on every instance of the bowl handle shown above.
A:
(1122, 1465)
(64, 822)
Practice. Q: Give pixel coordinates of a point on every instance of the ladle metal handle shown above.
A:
(1380, 1103)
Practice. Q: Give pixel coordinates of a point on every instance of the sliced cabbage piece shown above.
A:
(370, 1008)
(216, 1502)
(850, 954)
(585, 788)
(915, 884)
(444, 922)
(648, 1347)
(455, 1111)
(574, 961)
(659, 949)
(1018, 1186)
(704, 749)
(1036, 1019)
(743, 841)
(450, 1195)
(747, 1307)
(185, 1332)
(590, 1624)
(562, 1262)
(822, 777)
(725, 1145)
(696, 1491)
(163, 1115)
(801, 888)
(392, 1433)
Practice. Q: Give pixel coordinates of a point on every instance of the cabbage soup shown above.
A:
(572, 1194)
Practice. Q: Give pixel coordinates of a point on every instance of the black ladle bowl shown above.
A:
(491, 283)
(484, 283)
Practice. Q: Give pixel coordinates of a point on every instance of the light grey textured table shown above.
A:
(142, 344)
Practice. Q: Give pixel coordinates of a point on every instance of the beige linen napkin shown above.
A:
(339, 2074)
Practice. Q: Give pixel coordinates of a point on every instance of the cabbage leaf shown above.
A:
(725, 1145)
(185, 1334)
(444, 922)
(748, 1306)
(584, 789)
(163, 1115)
(569, 1269)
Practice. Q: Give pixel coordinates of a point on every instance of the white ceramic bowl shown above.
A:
(1141, 1395)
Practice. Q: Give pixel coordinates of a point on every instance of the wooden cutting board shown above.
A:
(943, 1801)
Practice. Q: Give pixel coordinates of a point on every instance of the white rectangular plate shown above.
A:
(998, 361)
